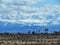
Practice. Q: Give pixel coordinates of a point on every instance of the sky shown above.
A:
(24, 15)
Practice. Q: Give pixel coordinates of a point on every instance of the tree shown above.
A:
(46, 30)
(33, 32)
(38, 32)
(29, 32)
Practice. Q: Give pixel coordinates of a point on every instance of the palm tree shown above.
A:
(46, 32)
(33, 32)
(38, 32)
(29, 32)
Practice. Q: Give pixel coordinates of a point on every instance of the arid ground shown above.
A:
(29, 39)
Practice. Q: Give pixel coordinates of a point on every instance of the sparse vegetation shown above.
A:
(30, 38)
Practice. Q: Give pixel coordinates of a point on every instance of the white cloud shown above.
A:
(56, 21)
(22, 1)
(29, 15)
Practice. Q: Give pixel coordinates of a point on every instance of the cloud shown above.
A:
(22, 1)
(56, 21)
(28, 15)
